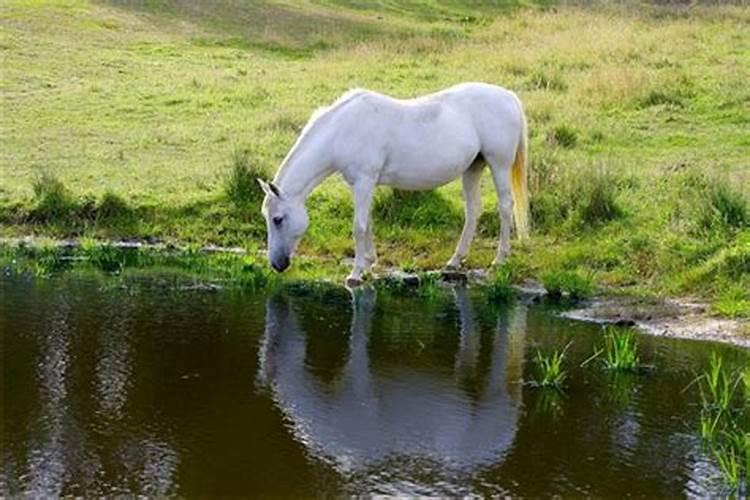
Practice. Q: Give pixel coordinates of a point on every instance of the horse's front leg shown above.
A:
(363, 193)
(371, 256)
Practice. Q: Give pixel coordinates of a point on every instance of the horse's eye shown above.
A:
(278, 220)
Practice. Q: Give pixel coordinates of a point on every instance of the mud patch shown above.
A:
(667, 318)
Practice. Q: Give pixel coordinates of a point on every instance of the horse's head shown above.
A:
(286, 222)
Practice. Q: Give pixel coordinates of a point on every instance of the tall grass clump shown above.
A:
(550, 368)
(710, 206)
(111, 206)
(576, 198)
(241, 186)
(724, 208)
(563, 136)
(52, 199)
(575, 284)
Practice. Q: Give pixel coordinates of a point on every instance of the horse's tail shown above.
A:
(518, 179)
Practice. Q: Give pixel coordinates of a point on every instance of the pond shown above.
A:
(137, 386)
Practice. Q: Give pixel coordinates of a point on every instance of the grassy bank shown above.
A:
(148, 120)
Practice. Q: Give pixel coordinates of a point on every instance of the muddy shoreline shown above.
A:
(676, 318)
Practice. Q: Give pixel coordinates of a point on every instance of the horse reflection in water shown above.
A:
(405, 425)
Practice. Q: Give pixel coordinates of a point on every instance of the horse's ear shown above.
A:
(269, 188)
(275, 190)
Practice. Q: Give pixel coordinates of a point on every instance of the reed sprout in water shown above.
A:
(621, 351)
(550, 367)
(723, 416)
(716, 386)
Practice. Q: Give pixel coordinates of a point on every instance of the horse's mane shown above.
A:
(317, 117)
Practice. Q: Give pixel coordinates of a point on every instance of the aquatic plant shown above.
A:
(550, 367)
(732, 454)
(621, 350)
(716, 386)
(709, 425)
(721, 421)
(729, 465)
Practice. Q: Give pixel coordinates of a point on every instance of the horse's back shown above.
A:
(429, 140)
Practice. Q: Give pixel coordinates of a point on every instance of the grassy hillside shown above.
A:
(138, 119)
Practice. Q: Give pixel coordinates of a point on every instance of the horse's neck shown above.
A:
(307, 165)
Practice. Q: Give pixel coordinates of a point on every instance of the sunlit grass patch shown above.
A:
(732, 303)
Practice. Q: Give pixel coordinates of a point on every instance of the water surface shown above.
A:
(110, 386)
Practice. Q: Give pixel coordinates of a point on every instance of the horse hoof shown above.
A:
(352, 282)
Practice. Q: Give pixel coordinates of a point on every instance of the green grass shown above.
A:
(733, 303)
(550, 368)
(718, 386)
(233, 271)
(241, 185)
(149, 120)
(725, 401)
(621, 351)
(500, 288)
(576, 284)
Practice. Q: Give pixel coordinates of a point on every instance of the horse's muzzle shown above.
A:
(279, 265)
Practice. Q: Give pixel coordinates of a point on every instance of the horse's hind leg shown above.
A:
(472, 210)
(500, 167)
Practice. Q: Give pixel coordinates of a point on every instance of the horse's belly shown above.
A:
(412, 177)
(429, 161)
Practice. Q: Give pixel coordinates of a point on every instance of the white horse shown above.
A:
(373, 139)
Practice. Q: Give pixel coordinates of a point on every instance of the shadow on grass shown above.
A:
(416, 208)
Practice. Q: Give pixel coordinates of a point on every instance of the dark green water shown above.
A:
(139, 388)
